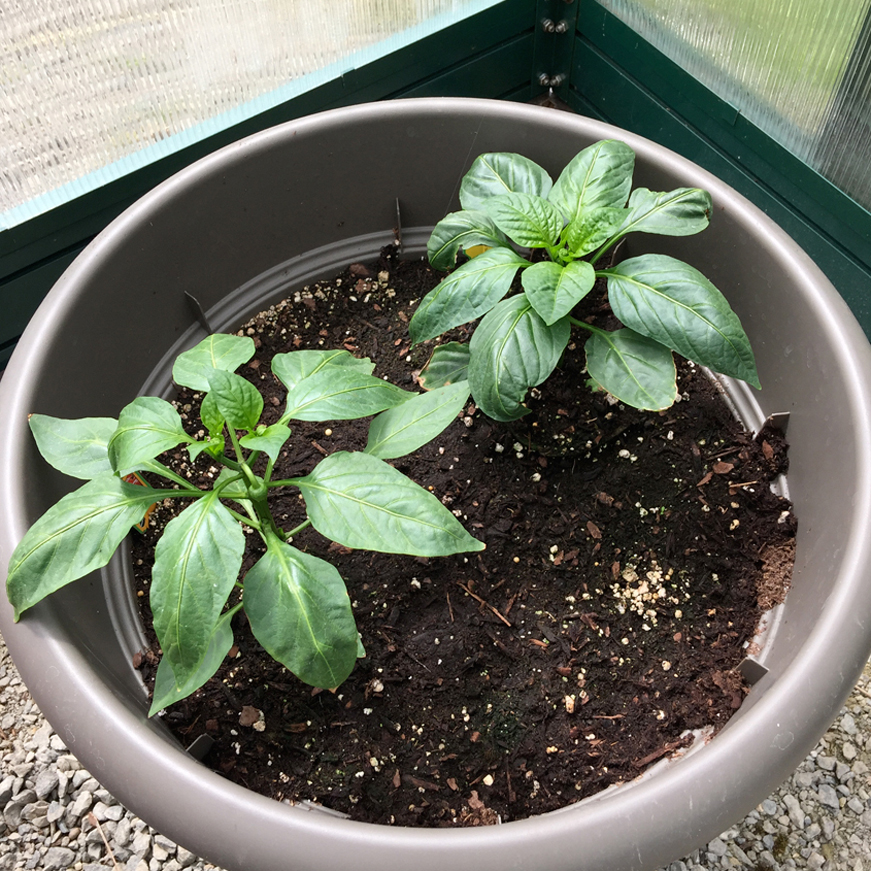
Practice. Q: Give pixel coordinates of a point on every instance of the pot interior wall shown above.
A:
(242, 218)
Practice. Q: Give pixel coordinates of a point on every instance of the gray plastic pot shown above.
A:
(238, 230)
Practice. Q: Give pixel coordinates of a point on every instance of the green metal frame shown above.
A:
(516, 50)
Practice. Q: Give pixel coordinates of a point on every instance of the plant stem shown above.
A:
(296, 530)
(178, 494)
(236, 446)
(286, 482)
(166, 472)
(576, 323)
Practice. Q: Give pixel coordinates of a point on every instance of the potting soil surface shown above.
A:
(630, 556)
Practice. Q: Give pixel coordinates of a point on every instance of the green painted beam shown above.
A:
(619, 77)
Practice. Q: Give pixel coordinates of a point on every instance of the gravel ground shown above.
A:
(56, 817)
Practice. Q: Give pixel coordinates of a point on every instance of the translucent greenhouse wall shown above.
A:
(797, 69)
(90, 89)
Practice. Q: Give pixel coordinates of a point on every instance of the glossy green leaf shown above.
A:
(448, 364)
(512, 350)
(218, 351)
(74, 537)
(362, 502)
(591, 229)
(555, 290)
(148, 426)
(210, 414)
(167, 689)
(196, 564)
(681, 212)
(295, 366)
(78, 448)
(300, 612)
(270, 440)
(238, 401)
(600, 175)
(460, 231)
(530, 221)
(502, 173)
(467, 293)
(214, 445)
(401, 430)
(635, 369)
(673, 303)
(341, 394)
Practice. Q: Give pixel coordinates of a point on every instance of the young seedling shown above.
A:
(511, 205)
(296, 604)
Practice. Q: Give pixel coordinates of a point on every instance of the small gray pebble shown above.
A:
(58, 859)
(827, 762)
(46, 782)
(12, 814)
(717, 847)
(6, 789)
(828, 796)
(115, 812)
(855, 805)
(796, 812)
(185, 857)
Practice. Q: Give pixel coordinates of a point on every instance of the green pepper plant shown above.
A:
(297, 604)
(510, 208)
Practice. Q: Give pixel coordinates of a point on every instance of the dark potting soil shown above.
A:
(629, 558)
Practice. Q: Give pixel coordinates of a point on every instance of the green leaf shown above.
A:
(270, 440)
(555, 290)
(502, 173)
(74, 537)
(299, 611)
(600, 175)
(362, 502)
(238, 401)
(530, 221)
(295, 366)
(466, 293)
(78, 448)
(341, 394)
(213, 444)
(447, 365)
(168, 690)
(681, 212)
(635, 369)
(512, 350)
(592, 229)
(211, 415)
(196, 564)
(218, 351)
(673, 303)
(460, 231)
(401, 430)
(148, 426)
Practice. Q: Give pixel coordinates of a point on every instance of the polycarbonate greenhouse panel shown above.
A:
(92, 89)
(797, 69)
